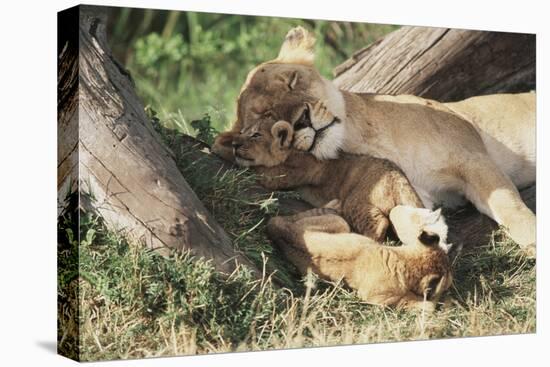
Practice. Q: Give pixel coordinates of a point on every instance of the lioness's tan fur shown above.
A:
(481, 148)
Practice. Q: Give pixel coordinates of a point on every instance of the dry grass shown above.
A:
(134, 303)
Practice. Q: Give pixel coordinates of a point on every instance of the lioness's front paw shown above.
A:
(524, 234)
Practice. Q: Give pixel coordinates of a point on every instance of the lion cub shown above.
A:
(412, 276)
(367, 187)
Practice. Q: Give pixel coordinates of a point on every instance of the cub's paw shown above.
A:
(425, 306)
(334, 204)
(408, 222)
(223, 146)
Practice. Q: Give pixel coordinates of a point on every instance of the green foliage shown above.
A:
(244, 216)
(185, 64)
(67, 276)
(178, 287)
(205, 132)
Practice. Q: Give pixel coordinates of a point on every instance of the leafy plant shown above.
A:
(205, 131)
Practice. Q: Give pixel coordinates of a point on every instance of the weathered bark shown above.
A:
(441, 63)
(109, 151)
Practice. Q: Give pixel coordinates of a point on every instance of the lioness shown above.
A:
(481, 148)
(413, 275)
(368, 188)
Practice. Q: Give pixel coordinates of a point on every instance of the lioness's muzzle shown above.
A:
(319, 133)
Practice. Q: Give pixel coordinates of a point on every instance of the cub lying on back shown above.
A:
(413, 276)
(367, 187)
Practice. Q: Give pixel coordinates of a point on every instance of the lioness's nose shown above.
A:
(236, 144)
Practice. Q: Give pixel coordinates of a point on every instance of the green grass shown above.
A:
(135, 303)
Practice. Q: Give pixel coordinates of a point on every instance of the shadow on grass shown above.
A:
(496, 271)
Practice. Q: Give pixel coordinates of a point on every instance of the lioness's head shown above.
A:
(263, 144)
(283, 88)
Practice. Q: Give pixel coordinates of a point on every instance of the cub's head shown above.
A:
(282, 89)
(264, 144)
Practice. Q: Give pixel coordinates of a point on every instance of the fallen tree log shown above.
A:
(441, 63)
(110, 153)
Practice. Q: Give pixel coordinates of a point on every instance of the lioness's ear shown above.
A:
(282, 132)
(297, 47)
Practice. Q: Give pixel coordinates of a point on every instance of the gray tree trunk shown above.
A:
(109, 151)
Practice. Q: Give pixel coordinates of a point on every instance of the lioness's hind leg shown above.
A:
(494, 194)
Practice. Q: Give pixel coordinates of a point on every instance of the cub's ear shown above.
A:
(297, 47)
(282, 132)
(429, 239)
